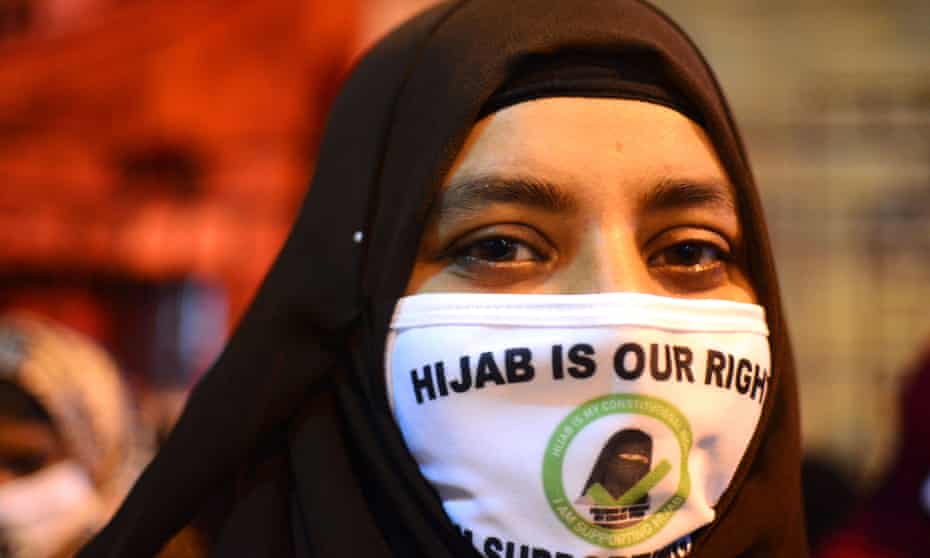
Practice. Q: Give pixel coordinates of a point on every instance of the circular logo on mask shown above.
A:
(602, 478)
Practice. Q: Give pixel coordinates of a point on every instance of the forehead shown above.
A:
(573, 140)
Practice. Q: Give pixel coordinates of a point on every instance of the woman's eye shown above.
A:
(497, 250)
(690, 256)
(25, 463)
(692, 265)
(499, 256)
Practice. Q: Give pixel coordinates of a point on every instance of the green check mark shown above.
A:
(602, 497)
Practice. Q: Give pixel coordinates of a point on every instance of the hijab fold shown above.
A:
(307, 357)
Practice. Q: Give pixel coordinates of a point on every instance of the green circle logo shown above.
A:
(607, 509)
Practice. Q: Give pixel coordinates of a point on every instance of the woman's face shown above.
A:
(578, 195)
(26, 447)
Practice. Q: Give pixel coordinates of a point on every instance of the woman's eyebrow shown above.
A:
(683, 194)
(474, 193)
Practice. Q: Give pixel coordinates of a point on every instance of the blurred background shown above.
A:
(153, 154)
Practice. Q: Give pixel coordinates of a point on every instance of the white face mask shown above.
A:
(573, 426)
(43, 512)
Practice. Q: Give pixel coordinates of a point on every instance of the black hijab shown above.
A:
(616, 474)
(293, 416)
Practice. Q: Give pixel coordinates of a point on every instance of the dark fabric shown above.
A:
(637, 76)
(307, 358)
(260, 524)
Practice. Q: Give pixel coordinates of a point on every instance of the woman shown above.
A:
(488, 159)
(624, 461)
(68, 446)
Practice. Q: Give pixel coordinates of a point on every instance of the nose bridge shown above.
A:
(609, 261)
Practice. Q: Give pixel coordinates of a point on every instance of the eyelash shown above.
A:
(510, 245)
(721, 255)
(684, 258)
(491, 243)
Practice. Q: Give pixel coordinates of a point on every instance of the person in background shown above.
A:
(895, 521)
(69, 448)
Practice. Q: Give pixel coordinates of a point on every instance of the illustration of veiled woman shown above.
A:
(625, 459)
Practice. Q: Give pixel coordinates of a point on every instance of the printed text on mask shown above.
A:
(631, 362)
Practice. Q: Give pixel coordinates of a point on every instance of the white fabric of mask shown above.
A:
(44, 512)
(558, 426)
